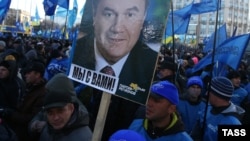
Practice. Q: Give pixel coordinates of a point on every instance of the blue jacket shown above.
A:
(189, 113)
(239, 95)
(56, 66)
(228, 116)
(174, 133)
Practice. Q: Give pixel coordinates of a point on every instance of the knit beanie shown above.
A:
(222, 87)
(166, 90)
(195, 80)
(126, 135)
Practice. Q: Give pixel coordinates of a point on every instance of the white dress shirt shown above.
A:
(101, 62)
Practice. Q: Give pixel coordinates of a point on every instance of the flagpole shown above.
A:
(17, 11)
(172, 9)
(198, 28)
(45, 23)
(52, 25)
(65, 24)
(211, 70)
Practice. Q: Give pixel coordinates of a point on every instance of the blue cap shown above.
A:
(167, 90)
(126, 135)
(195, 80)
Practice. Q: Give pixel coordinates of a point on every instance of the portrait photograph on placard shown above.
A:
(117, 46)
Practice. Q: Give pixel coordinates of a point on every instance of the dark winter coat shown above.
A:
(76, 129)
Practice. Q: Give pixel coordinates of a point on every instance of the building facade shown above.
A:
(233, 13)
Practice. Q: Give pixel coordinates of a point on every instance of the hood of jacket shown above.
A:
(234, 110)
(12, 67)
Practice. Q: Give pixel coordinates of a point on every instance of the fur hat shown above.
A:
(168, 63)
(35, 66)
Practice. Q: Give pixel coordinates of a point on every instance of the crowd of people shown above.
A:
(39, 102)
(26, 66)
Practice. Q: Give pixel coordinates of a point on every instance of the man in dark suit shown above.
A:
(116, 43)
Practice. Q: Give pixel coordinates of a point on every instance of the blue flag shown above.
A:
(19, 26)
(37, 15)
(82, 10)
(61, 12)
(5, 4)
(220, 38)
(180, 25)
(220, 69)
(229, 52)
(205, 6)
(52, 17)
(49, 7)
(4, 7)
(181, 21)
(72, 15)
(63, 3)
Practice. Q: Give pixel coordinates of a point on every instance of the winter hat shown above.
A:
(195, 80)
(35, 66)
(167, 90)
(55, 99)
(60, 83)
(168, 63)
(8, 62)
(39, 46)
(11, 54)
(18, 40)
(222, 87)
(126, 135)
